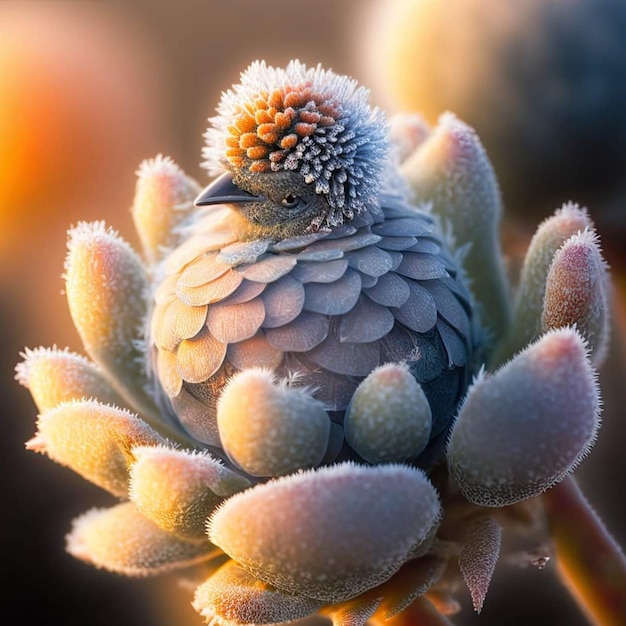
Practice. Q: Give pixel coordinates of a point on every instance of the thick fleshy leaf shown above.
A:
(53, 376)
(233, 597)
(527, 426)
(354, 612)
(123, 541)
(406, 132)
(550, 236)
(163, 198)
(331, 533)
(389, 418)
(576, 292)
(106, 287)
(94, 440)
(410, 582)
(268, 428)
(178, 489)
(451, 170)
(479, 556)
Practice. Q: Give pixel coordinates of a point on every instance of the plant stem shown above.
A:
(590, 563)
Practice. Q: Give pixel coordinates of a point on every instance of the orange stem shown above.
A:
(590, 563)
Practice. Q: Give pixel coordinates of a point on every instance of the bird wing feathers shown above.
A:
(327, 307)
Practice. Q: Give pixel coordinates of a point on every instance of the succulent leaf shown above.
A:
(178, 489)
(107, 287)
(406, 132)
(94, 440)
(389, 418)
(479, 556)
(411, 581)
(550, 236)
(293, 426)
(353, 613)
(529, 424)
(53, 376)
(122, 540)
(451, 170)
(163, 199)
(576, 292)
(330, 533)
(232, 596)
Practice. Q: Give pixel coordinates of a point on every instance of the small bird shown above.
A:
(306, 257)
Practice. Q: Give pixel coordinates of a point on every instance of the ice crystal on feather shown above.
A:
(293, 395)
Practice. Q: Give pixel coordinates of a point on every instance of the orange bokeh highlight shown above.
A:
(84, 98)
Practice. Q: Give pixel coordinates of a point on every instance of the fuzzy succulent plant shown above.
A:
(316, 385)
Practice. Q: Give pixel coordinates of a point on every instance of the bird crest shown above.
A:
(306, 120)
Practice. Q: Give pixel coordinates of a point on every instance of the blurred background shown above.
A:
(90, 89)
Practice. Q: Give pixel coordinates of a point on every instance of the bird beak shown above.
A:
(224, 191)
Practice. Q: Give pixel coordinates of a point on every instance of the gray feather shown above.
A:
(366, 322)
(333, 298)
(297, 243)
(352, 359)
(195, 246)
(203, 270)
(419, 312)
(198, 419)
(334, 391)
(254, 352)
(245, 291)
(421, 266)
(215, 291)
(346, 244)
(243, 251)
(425, 245)
(448, 307)
(340, 232)
(199, 358)
(304, 333)
(390, 290)
(371, 260)
(320, 255)
(283, 301)
(396, 243)
(269, 268)
(316, 272)
(367, 280)
(454, 345)
(235, 322)
(403, 227)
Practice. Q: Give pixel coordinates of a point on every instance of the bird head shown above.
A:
(302, 150)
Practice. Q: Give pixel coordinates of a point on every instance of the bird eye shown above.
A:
(290, 201)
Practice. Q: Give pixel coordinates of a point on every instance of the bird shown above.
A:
(306, 257)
